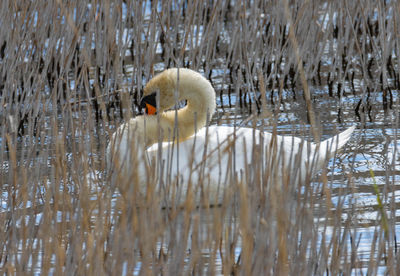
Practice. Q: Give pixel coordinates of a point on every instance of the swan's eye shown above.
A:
(149, 103)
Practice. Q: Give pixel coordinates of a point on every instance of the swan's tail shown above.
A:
(330, 146)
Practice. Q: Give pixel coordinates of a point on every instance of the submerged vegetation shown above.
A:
(72, 71)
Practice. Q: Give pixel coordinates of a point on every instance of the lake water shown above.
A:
(368, 166)
(55, 219)
(351, 211)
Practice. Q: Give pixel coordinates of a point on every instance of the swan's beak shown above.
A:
(149, 103)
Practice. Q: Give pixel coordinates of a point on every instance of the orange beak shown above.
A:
(151, 110)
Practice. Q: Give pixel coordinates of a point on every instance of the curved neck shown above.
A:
(200, 97)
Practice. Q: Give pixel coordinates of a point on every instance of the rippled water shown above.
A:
(371, 157)
(362, 181)
(373, 148)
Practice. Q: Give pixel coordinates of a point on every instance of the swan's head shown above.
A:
(159, 90)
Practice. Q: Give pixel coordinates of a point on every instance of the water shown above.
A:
(370, 158)
(360, 191)
(372, 148)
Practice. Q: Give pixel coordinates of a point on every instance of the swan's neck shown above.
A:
(200, 97)
(171, 126)
(178, 125)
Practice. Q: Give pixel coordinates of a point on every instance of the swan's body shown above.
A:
(145, 150)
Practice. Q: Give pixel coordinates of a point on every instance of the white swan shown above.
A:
(184, 158)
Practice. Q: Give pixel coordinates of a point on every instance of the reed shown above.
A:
(72, 71)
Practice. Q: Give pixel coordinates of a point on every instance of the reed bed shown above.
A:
(72, 71)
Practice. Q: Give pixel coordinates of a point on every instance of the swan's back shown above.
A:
(219, 155)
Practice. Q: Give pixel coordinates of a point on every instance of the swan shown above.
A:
(175, 152)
